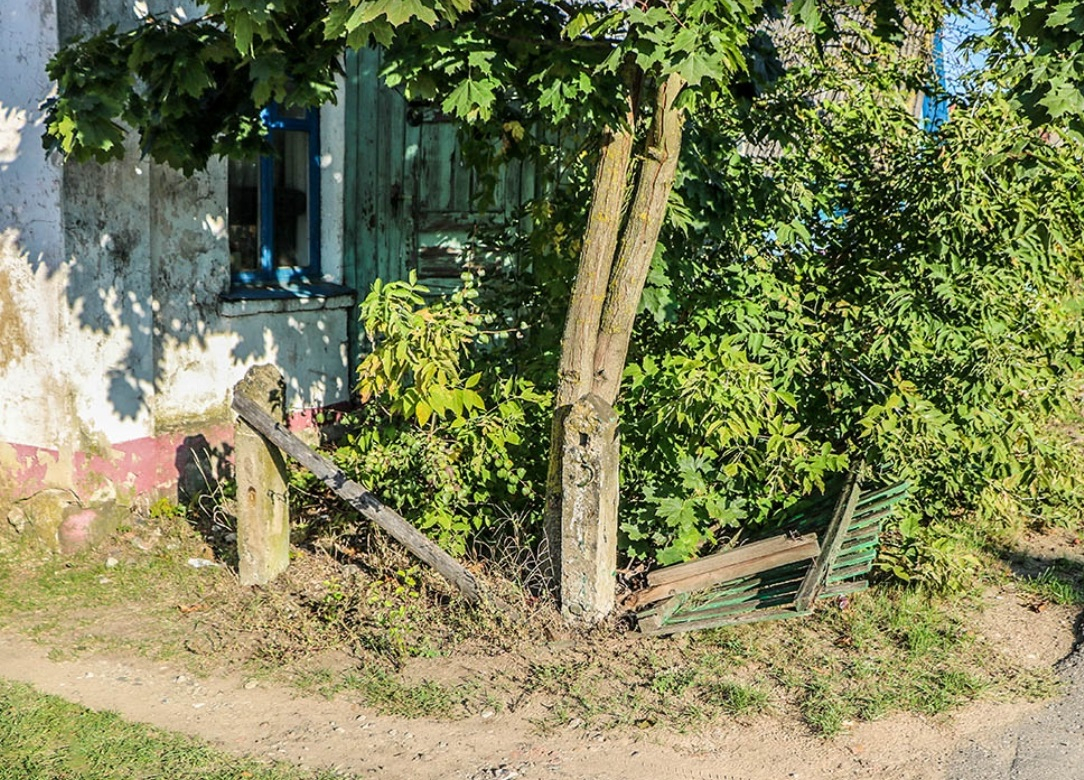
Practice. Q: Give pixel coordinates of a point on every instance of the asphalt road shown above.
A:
(1046, 745)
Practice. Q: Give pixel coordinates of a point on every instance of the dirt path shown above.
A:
(1047, 744)
(277, 723)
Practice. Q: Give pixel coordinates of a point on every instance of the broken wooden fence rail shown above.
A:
(714, 569)
(358, 497)
(763, 580)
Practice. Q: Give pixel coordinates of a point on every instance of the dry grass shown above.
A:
(356, 616)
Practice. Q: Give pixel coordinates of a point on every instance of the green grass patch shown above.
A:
(46, 738)
(1060, 583)
(888, 651)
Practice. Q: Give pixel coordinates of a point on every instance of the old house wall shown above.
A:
(117, 349)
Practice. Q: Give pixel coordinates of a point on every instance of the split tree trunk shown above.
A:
(657, 170)
(614, 263)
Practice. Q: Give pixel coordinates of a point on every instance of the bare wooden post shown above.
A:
(358, 497)
(587, 557)
(263, 513)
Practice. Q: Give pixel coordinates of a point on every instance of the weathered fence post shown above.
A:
(263, 513)
(587, 559)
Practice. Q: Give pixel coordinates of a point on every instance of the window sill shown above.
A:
(280, 299)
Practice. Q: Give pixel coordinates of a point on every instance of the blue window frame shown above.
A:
(274, 204)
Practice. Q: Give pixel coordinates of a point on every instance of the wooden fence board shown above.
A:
(359, 498)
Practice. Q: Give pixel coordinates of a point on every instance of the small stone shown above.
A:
(104, 580)
(250, 684)
(110, 562)
(487, 714)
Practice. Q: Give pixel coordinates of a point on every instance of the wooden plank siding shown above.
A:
(412, 203)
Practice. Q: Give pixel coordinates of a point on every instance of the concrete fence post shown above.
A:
(589, 486)
(263, 513)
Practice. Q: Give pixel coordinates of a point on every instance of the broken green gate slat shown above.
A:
(843, 589)
(833, 540)
(786, 590)
(854, 558)
(854, 519)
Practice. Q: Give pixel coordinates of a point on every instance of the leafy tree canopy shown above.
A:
(194, 88)
(1040, 44)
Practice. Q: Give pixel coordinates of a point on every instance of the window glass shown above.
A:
(291, 199)
(273, 204)
(244, 212)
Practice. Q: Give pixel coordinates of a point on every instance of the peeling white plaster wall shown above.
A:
(31, 240)
(111, 324)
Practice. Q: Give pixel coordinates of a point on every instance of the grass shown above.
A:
(389, 695)
(46, 738)
(1060, 583)
(380, 630)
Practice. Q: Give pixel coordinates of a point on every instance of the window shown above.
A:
(274, 204)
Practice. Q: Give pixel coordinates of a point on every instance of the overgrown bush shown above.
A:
(871, 288)
(445, 433)
(838, 283)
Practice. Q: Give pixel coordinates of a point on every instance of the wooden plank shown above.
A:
(848, 572)
(843, 589)
(853, 558)
(779, 594)
(865, 539)
(659, 614)
(359, 498)
(719, 560)
(833, 540)
(351, 206)
(870, 520)
(779, 598)
(752, 617)
(369, 214)
(721, 568)
(896, 493)
(746, 587)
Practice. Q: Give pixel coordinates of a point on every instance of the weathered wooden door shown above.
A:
(411, 203)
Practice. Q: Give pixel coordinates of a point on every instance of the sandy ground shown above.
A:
(278, 723)
(986, 740)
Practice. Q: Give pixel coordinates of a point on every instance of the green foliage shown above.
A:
(868, 287)
(445, 435)
(1040, 48)
(193, 89)
(928, 555)
(835, 281)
